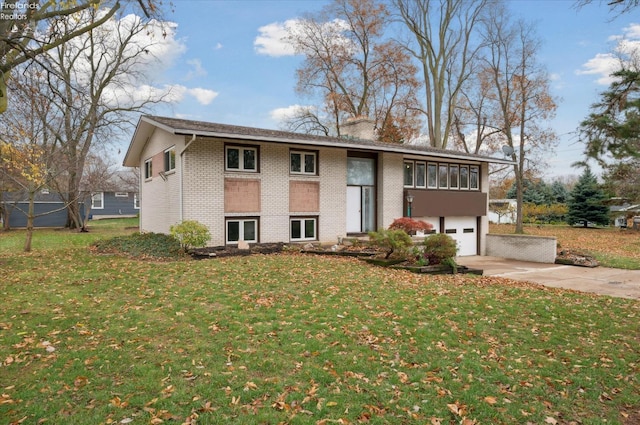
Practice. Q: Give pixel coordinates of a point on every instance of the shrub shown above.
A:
(439, 248)
(190, 234)
(410, 225)
(393, 241)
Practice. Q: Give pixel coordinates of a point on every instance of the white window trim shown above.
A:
(460, 177)
(168, 151)
(241, 221)
(121, 194)
(101, 207)
(303, 154)
(136, 201)
(302, 221)
(241, 150)
(148, 169)
(413, 173)
(477, 172)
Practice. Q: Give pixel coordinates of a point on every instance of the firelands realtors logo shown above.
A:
(16, 11)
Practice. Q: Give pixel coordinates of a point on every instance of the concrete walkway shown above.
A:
(599, 280)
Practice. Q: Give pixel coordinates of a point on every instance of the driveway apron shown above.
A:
(599, 280)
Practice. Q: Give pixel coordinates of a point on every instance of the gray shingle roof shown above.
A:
(210, 129)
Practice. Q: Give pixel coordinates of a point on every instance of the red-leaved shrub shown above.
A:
(410, 225)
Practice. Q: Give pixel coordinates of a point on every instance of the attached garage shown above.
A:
(464, 230)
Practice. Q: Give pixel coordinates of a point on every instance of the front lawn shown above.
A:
(289, 338)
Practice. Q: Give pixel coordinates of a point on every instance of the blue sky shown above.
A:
(225, 53)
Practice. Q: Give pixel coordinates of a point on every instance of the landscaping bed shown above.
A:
(375, 256)
(232, 251)
(575, 258)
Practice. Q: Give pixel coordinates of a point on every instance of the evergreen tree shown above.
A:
(586, 203)
(534, 192)
(559, 192)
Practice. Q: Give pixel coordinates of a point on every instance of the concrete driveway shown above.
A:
(599, 280)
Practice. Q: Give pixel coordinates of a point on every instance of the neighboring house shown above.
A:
(623, 214)
(116, 197)
(502, 211)
(260, 185)
(50, 209)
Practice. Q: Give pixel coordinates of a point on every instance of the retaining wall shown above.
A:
(539, 249)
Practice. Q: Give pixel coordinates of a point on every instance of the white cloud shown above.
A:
(626, 50)
(272, 40)
(602, 65)
(282, 114)
(203, 96)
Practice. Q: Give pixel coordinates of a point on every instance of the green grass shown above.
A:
(97, 339)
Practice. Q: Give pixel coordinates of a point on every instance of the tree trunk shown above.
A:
(30, 218)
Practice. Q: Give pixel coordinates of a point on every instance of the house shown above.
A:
(502, 211)
(259, 185)
(114, 197)
(49, 209)
(623, 213)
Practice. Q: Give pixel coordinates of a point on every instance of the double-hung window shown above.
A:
(170, 159)
(241, 158)
(303, 162)
(97, 201)
(242, 229)
(304, 229)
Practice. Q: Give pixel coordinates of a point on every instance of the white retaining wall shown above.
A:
(539, 249)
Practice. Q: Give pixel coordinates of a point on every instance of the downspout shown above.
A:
(181, 195)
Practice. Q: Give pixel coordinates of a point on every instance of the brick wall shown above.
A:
(160, 196)
(203, 186)
(539, 249)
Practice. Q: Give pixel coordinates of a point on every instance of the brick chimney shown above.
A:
(359, 128)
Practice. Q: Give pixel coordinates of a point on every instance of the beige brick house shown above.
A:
(262, 185)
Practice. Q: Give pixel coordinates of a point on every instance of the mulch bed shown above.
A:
(232, 251)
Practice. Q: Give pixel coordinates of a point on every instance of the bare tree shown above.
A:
(442, 42)
(93, 85)
(23, 34)
(616, 7)
(521, 94)
(354, 69)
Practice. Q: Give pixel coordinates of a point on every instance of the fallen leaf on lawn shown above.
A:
(490, 400)
(250, 386)
(457, 408)
(550, 420)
